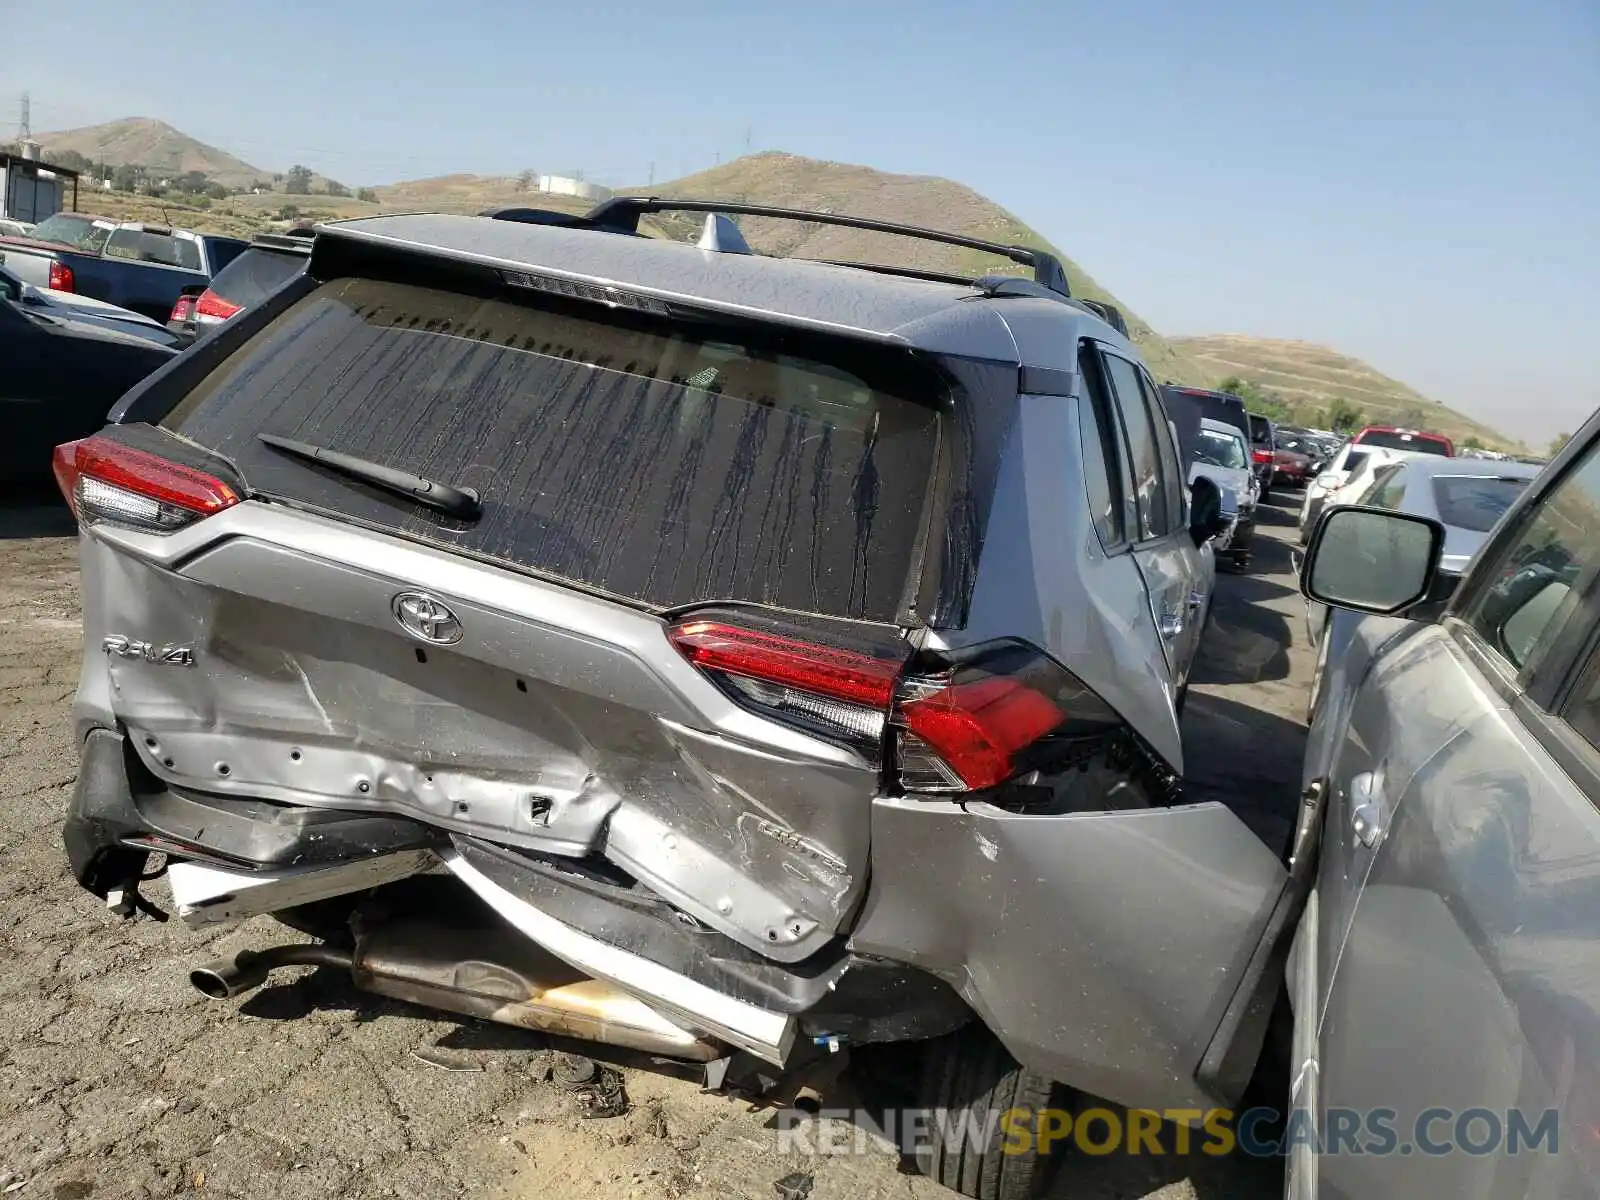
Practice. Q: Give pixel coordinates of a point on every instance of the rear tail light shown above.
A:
(62, 278)
(961, 722)
(104, 480)
(215, 307)
(182, 309)
(1261, 456)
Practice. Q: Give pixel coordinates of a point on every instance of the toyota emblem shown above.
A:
(423, 617)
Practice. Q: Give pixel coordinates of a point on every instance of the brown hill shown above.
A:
(147, 142)
(1309, 377)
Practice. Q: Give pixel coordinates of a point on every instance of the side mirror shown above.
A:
(1206, 518)
(1372, 560)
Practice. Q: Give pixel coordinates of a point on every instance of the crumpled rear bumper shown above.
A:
(120, 815)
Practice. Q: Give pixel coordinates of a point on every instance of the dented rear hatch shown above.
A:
(510, 670)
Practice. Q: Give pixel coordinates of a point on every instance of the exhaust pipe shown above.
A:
(247, 970)
(493, 974)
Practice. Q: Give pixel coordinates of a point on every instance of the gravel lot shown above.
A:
(117, 1080)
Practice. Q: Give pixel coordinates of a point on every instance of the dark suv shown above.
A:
(787, 652)
(270, 261)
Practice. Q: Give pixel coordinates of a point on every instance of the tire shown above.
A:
(967, 1076)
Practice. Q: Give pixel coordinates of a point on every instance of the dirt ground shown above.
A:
(118, 1080)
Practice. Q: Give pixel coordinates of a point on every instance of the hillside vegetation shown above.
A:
(1310, 380)
(183, 181)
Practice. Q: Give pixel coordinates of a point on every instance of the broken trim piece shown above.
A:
(766, 1034)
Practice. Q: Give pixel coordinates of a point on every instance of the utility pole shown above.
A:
(652, 180)
(749, 135)
(25, 130)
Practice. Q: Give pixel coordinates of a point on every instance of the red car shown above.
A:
(1290, 467)
(1389, 437)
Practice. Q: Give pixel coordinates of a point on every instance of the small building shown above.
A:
(31, 190)
(561, 185)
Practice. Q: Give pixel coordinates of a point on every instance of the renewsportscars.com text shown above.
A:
(1260, 1132)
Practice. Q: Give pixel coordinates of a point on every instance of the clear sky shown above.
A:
(1416, 182)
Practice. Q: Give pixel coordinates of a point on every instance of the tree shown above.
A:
(1558, 442)
(367, 194)
(1343, 417)
(1474, 443)
(524, 180)
(127, 177)
(335, 188)
(288, 212)
(298, 181)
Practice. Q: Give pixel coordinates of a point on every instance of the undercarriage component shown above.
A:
(492, 974)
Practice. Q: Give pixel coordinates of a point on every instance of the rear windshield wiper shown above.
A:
(456, 502)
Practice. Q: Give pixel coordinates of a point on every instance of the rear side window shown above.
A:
(255, 275)
(1154, 512)
(1352, 462)
(669, 464)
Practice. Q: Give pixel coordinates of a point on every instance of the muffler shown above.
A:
(493, 974)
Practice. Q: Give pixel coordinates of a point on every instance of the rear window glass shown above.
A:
(255, 275)
(81, 233)
(164, 249)
(1421, 443)
(1220, 450)
(666, 463)
(1474, 502)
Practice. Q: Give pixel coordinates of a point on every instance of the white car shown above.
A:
(1343, 476)
(10, 228)
(1220, 454)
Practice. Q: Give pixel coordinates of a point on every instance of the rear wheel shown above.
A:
(970, 1082)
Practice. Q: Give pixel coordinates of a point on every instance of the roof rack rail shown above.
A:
(621, 214)
(1109, 313)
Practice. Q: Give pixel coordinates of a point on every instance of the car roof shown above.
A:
(1434, 464)
(948, 318)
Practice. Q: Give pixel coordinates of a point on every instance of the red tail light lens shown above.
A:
(978, 727)
(104, 480)
(975, 724)
(1261, 456)
(214, 306)
(61, 278)
(182, 309)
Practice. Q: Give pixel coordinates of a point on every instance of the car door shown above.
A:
(1161, 543)
(1462, 998)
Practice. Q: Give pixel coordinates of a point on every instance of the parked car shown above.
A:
(10, 228)
(1317, 448)
(1390, 437)
(1346, 465)
(696, 611)
(1444, 973)
(1201, 402)
(1263, 451)
(270, 262)
(61, 370)
(1292, 468)
(135, 266)
(1466, 497)
(1223, 456)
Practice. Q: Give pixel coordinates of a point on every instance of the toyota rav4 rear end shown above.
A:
(730, 630)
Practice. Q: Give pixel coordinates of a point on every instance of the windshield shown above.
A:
(1220, 450)
(70, 229)
(1474, 502)
(1392, 440)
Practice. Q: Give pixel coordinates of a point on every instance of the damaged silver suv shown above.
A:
(725, 656)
